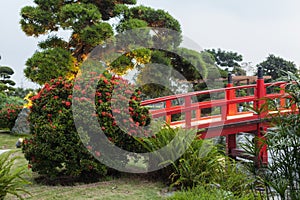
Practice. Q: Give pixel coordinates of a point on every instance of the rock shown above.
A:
(19, 143)
(22, 124)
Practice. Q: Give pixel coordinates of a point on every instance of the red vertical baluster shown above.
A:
(168, 106)
(260, 94)
(282, 92)
(229, 109)
(262, 158)
(230, 94)
(260, 103)
(231, 144)
(198, 113)
(188, 114)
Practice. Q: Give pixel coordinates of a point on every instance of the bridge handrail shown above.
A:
(197, 93)
(190, 94)
(276, 83)
(199, 105)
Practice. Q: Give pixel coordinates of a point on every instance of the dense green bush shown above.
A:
(8, 115)
(6, 99)
(283, 171)
(55, 148)
(209, 193)
(10, 106)
(175, 142)
(11, 180)
(280, 178)
(120, 113)
(202, 163)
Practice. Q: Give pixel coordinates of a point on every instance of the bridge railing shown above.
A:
(188, 113)
(190, 104)
(225, 118)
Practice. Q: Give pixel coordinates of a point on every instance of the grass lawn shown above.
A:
(8, 141)
(122, 188)
(125, 188)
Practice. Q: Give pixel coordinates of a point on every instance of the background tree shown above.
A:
(5, 82)
(155, 19)
(9, 106)
(49, 64)
(21, 92)
(275, 67)
(228, 59)
(88, 24)
(179, 71)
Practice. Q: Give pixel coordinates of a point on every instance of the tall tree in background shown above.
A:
(228, 59)
(174, 71)
(7, 89)
(6, 84)
(275, 66)
(87, 23)
(21, 92)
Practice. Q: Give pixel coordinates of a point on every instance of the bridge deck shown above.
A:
(214, 126)
(212, 120)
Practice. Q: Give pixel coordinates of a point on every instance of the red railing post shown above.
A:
(263, 110)
(188, 114)
(231, 145)
(168, 117)
(224, 112)
(230, 94)
(294, 107)
(260, 93)
(262, 157)
(229, 109)
(282, 92)
(198, 114)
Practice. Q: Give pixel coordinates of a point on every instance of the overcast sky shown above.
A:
(253, 28)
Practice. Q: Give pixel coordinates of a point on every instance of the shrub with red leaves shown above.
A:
(8, 115)
(55, 148)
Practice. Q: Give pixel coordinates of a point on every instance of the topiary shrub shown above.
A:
(55, 148)
(119, 114)
(8, 115)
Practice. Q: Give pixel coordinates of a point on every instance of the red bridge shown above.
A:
(226, 121)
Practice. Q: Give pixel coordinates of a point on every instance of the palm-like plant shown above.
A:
(282, 175)
(11, 180)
